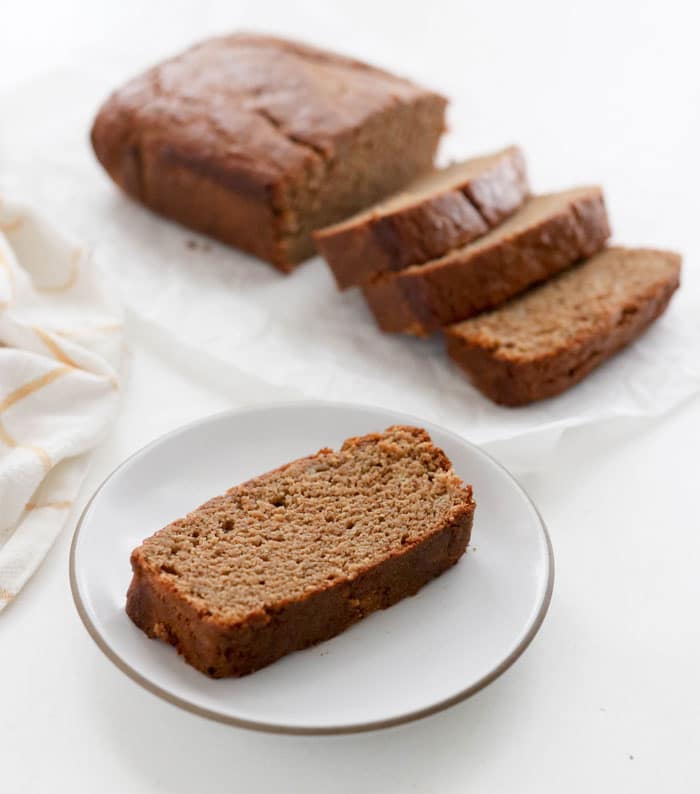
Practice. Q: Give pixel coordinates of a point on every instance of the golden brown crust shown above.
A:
(511, 378)
(419, 300)
(242, 137)
(412, 235)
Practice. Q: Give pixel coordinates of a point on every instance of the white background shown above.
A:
(607, 698)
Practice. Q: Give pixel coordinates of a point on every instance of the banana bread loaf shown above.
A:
(258, 141)
(295, 556)
(550, 338)
(547, 234)
(439, 211)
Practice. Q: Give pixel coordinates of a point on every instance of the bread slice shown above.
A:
(440, 211)
(548, 234)
(296, 555)
(545, 341)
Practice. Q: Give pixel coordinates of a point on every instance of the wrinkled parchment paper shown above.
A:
(297, 334)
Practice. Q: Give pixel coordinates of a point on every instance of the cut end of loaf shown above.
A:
(441, 210)
(440, 180)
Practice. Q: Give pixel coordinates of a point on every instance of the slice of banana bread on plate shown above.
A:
(297, 555)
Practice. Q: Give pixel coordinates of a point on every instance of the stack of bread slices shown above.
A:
(523, 287)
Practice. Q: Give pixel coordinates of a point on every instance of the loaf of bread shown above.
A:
(548, 234)
(550, 338)
(442, 210)
(257, 141)
(295, 556)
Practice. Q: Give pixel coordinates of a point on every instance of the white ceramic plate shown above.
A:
(426, 653)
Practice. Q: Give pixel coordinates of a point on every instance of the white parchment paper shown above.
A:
(297, 333)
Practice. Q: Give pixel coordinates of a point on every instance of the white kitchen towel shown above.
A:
(60, 348)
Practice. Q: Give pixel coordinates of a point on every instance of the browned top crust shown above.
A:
(546, 235)
(247, 110)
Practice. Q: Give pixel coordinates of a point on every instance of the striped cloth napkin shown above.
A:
(60, 351)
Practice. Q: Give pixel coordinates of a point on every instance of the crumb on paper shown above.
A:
(197, 245)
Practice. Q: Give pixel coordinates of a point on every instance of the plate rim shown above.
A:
(311, 730)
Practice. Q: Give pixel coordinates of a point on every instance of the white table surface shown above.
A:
(608, 696)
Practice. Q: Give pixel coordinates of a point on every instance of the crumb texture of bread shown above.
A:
(257, 141)
(296, 555)
(546, 235)
(440, 211)
(550, 338)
